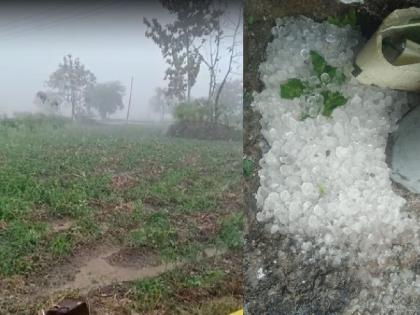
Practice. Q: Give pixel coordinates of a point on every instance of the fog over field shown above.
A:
(107, 36)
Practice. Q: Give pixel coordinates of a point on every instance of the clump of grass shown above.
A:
(204, 280)
(61, 245)
(17, 242)
(150, 293)
(189, 251)
(230, 234)
(157, 232)
(247, 166)
(185, 189)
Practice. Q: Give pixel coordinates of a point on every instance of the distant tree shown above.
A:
(71, 81)
(231, 103)
(160, 102)
(105, 98)
(194, 19)
(48, 101)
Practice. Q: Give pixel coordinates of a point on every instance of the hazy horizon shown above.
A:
(108, 37)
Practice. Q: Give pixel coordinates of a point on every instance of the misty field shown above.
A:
(127, 194)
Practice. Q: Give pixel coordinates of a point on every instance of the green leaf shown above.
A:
(320, 66)
(251, 20)
(292, 88)
(318, 62)
(332, 100)
(350, 18)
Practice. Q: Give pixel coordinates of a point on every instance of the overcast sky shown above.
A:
(107, 36)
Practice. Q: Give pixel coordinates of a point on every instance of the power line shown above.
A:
(60, 21)
(28, 17)
(52, 22)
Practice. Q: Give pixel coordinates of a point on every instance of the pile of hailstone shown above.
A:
(324, 180)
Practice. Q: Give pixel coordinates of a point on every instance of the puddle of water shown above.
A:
(97, 272)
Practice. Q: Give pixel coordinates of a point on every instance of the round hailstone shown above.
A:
(331, 38)
(405, 155)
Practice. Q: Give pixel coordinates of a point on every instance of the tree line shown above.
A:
(75, 86)
(201, 35)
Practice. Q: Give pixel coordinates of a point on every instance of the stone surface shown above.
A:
(405, 155)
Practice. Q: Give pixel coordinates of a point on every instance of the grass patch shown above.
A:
(102, 178)
(247, 166)
(17, 241)
(204, 280)
(61, 245)
(211, 287)
(150, 293)
(230, 234)
(157, 232)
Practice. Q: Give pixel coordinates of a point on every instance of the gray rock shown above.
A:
(405, 152)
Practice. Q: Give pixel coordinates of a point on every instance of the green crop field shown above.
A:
(68, 188)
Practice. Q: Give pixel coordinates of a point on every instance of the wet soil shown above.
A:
(278, 280)
(98, 272)
(87, 271)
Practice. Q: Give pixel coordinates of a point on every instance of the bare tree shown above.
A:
(213, 60)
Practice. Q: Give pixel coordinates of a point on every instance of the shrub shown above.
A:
(193, 111)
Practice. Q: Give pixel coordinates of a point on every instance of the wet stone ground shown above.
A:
(279, 280)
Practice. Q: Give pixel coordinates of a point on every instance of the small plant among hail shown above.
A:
(317, 92)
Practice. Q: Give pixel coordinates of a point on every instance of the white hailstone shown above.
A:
(329, 239)
(274, 229)
(331, 38)
(285, 195)
(307, 189)
(325, 77)
(260, 273)
(304, 53)
(325, 179)
(306, 246)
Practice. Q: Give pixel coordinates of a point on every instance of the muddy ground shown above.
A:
(288, 283)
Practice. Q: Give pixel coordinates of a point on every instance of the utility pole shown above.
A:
(129, 99)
